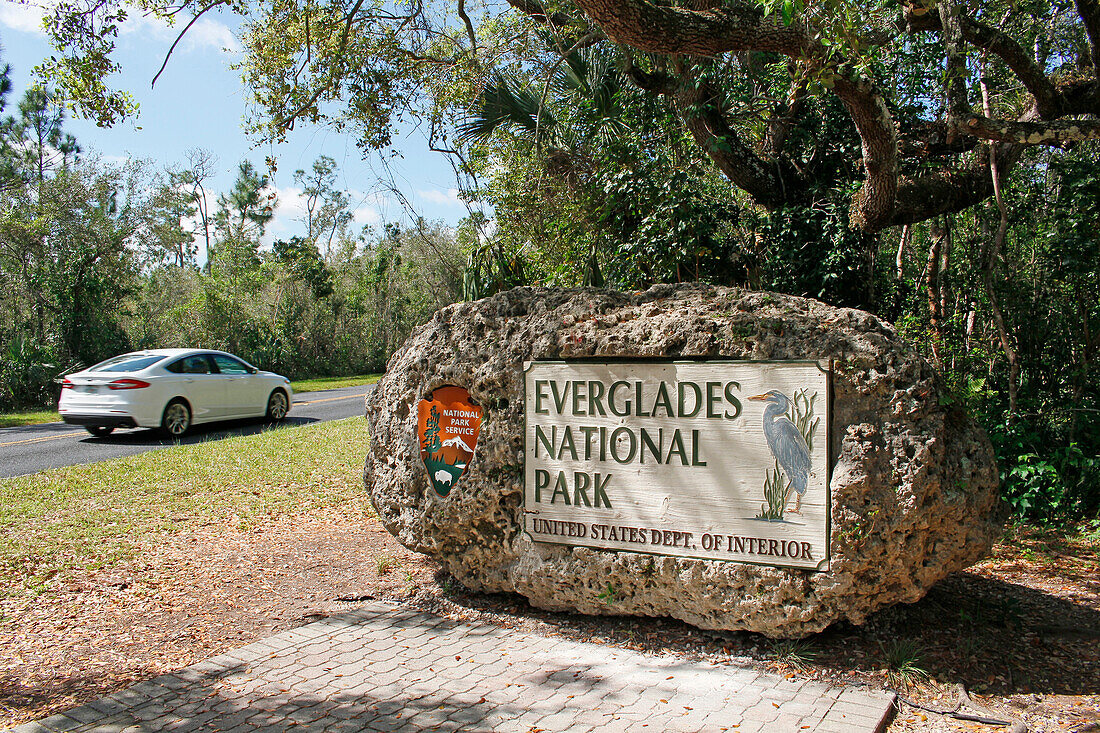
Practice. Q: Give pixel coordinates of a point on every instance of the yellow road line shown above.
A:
(333, 399)
(40, 440)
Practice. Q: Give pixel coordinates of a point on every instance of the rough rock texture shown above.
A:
(914, 484)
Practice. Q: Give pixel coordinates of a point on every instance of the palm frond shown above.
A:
(504, 103)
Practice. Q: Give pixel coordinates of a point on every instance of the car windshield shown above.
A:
(127, 363)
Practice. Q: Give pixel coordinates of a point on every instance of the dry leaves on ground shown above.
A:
(1020, 631)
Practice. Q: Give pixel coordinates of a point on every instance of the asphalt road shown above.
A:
(36, 448)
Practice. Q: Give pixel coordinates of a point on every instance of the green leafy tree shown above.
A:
(326, 211)
(66, 255)
(171, 203)
(738, 75)
(8, 167)
(244, 211)
(239, 222)
(37, 136)
(304, 262)
(608, 189)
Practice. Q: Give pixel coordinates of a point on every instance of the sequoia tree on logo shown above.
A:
(448, 424)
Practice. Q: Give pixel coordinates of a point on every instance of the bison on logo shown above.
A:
(447, 425)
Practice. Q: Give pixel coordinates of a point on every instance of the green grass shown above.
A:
(319, 383)
(92, 516)
(15, 419)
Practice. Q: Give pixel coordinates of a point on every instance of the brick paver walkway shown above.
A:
(383, 668)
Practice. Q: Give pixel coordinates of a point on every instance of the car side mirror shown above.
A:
(253, 370)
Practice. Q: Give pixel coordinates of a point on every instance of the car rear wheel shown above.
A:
(277, 406)
(177, 419)
(100, 431)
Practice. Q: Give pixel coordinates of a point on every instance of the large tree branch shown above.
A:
(927, 139)
(873, 204)
(1089, 10)
(1002, 45)
(1047, 132)
(943, 193)
(952, 190)
(707, 33)
(700, 106)
(537, 11)
(956, 189)
(668, 30)
(766, 179)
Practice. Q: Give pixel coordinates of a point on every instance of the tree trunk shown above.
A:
(933, 288)
(992, 254)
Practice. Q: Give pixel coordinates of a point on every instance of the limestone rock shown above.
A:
(914, 483)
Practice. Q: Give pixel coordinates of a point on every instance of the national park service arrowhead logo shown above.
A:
(447, 424)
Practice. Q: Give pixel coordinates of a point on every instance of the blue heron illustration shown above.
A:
(787, 444)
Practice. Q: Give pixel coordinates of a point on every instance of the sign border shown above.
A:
(822, 566)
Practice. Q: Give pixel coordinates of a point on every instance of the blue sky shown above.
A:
(198, 102)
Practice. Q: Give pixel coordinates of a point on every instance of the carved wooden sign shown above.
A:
(448, 424)
(719, 460)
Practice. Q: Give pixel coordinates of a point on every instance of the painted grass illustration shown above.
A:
(802, 415)
(775, 493)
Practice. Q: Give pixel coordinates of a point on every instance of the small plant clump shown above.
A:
(609, 595)
(903, 662)
(385, 564)
(797, 653)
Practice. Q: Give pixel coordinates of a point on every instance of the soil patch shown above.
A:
(1020, 632)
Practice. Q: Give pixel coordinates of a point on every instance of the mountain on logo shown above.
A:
(457, 442)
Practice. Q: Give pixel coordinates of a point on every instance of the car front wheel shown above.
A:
(100, 431)
(177, 419)
(277, 406)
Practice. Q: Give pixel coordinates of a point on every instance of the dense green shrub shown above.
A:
(28, 373)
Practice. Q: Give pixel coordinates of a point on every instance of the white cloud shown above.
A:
(20, 17)
(206, 33)
(289, 211)
(115, 160)
(209, 32)
(443, 198)
(365, 215)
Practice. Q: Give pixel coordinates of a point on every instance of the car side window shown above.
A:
(229, 365)
(194, 364)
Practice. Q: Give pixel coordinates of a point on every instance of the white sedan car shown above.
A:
(172, 389)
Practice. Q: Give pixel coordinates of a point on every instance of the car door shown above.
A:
(246, 396)
(199, 382)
